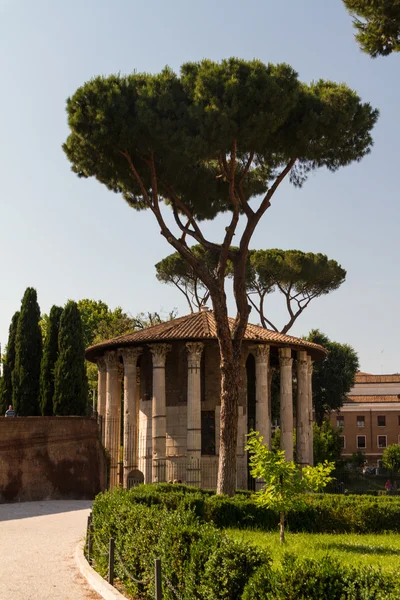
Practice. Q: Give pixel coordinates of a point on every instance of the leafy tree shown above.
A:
(175, 270)
(378, 25)
(285, 483)
(70, 386)
(28, 355)
(333, 377)
(327, 443)
(299, 276)
(49, 359)
(8, 366)
(391, 458)
(219, 138)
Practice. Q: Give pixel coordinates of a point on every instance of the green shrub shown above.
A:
(315, 580)
(184, 527)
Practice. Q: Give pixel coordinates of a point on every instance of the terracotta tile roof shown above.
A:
(371, 378)
(199, 326)
(372, 399)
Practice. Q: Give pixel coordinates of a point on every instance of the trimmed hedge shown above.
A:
(324, 513)
(183, 526)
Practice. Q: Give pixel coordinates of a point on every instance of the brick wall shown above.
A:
(50, 457)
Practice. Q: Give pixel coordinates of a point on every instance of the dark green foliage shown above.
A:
(391, 458)
(8, 366)
(70, 387)
(326, 442)
(332, 377)
(202, 563)
(49, 358)
(325, 579)
(28, 356)
(378, 25)
(174, 270)
(299, 276)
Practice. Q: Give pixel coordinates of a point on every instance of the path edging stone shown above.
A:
(100, 585)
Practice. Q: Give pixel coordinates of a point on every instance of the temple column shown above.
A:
(113, 415)
(302, 410)
(263, 413)
(195, 350)
(130, 459)
(310, 414)
(101, 395)
(159, 414)
(286, 402)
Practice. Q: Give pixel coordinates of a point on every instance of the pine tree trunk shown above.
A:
(230, 386)
(282, 528)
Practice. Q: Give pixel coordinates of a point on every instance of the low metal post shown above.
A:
(90, 541)
(111, 562)
(157, 576)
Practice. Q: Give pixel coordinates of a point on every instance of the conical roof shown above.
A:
(200, 326)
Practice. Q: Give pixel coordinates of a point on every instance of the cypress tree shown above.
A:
(70, 386)
(28, 355)
(8, 366)
(49, 358)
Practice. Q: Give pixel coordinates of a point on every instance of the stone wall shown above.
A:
(50, 458)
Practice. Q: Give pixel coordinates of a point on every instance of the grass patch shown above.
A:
(374, 550)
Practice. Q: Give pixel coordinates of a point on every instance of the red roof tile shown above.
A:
(199, 326)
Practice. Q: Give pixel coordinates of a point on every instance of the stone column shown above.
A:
(159, 416)
(101, 395)
(130, 460)
(113, 415)
(195, 350)
(302, 410)
(310, 414)
(286, 402)
(263, 414)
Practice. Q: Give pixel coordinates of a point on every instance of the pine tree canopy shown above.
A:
(28, 355)
(299, 276)
(378, 25)
(70, 386)
(49, 358)
(8, 366)
(168, 136)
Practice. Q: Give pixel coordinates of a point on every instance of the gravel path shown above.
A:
(38, 541)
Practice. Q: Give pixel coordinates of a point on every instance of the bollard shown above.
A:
(157, 576)
(111, 562)
(90, 542)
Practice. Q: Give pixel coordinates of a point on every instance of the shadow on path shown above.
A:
(27, 510)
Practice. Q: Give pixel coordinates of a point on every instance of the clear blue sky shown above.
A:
(74, 239)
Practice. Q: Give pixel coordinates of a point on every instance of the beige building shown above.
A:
(168, 423)
(370, 418)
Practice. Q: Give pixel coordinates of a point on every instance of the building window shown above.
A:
(399, 420)
(381, 421)
(382, 441)
(360, 421)
(340, 422)
(343, 442)
(208, 432)
(361, 441)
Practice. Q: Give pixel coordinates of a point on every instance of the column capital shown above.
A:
(101, 364)
(159, 353)
(262, 352)
(302, 360)
(130, 356)
(111, 359)
(195, 350)
(285, 357)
